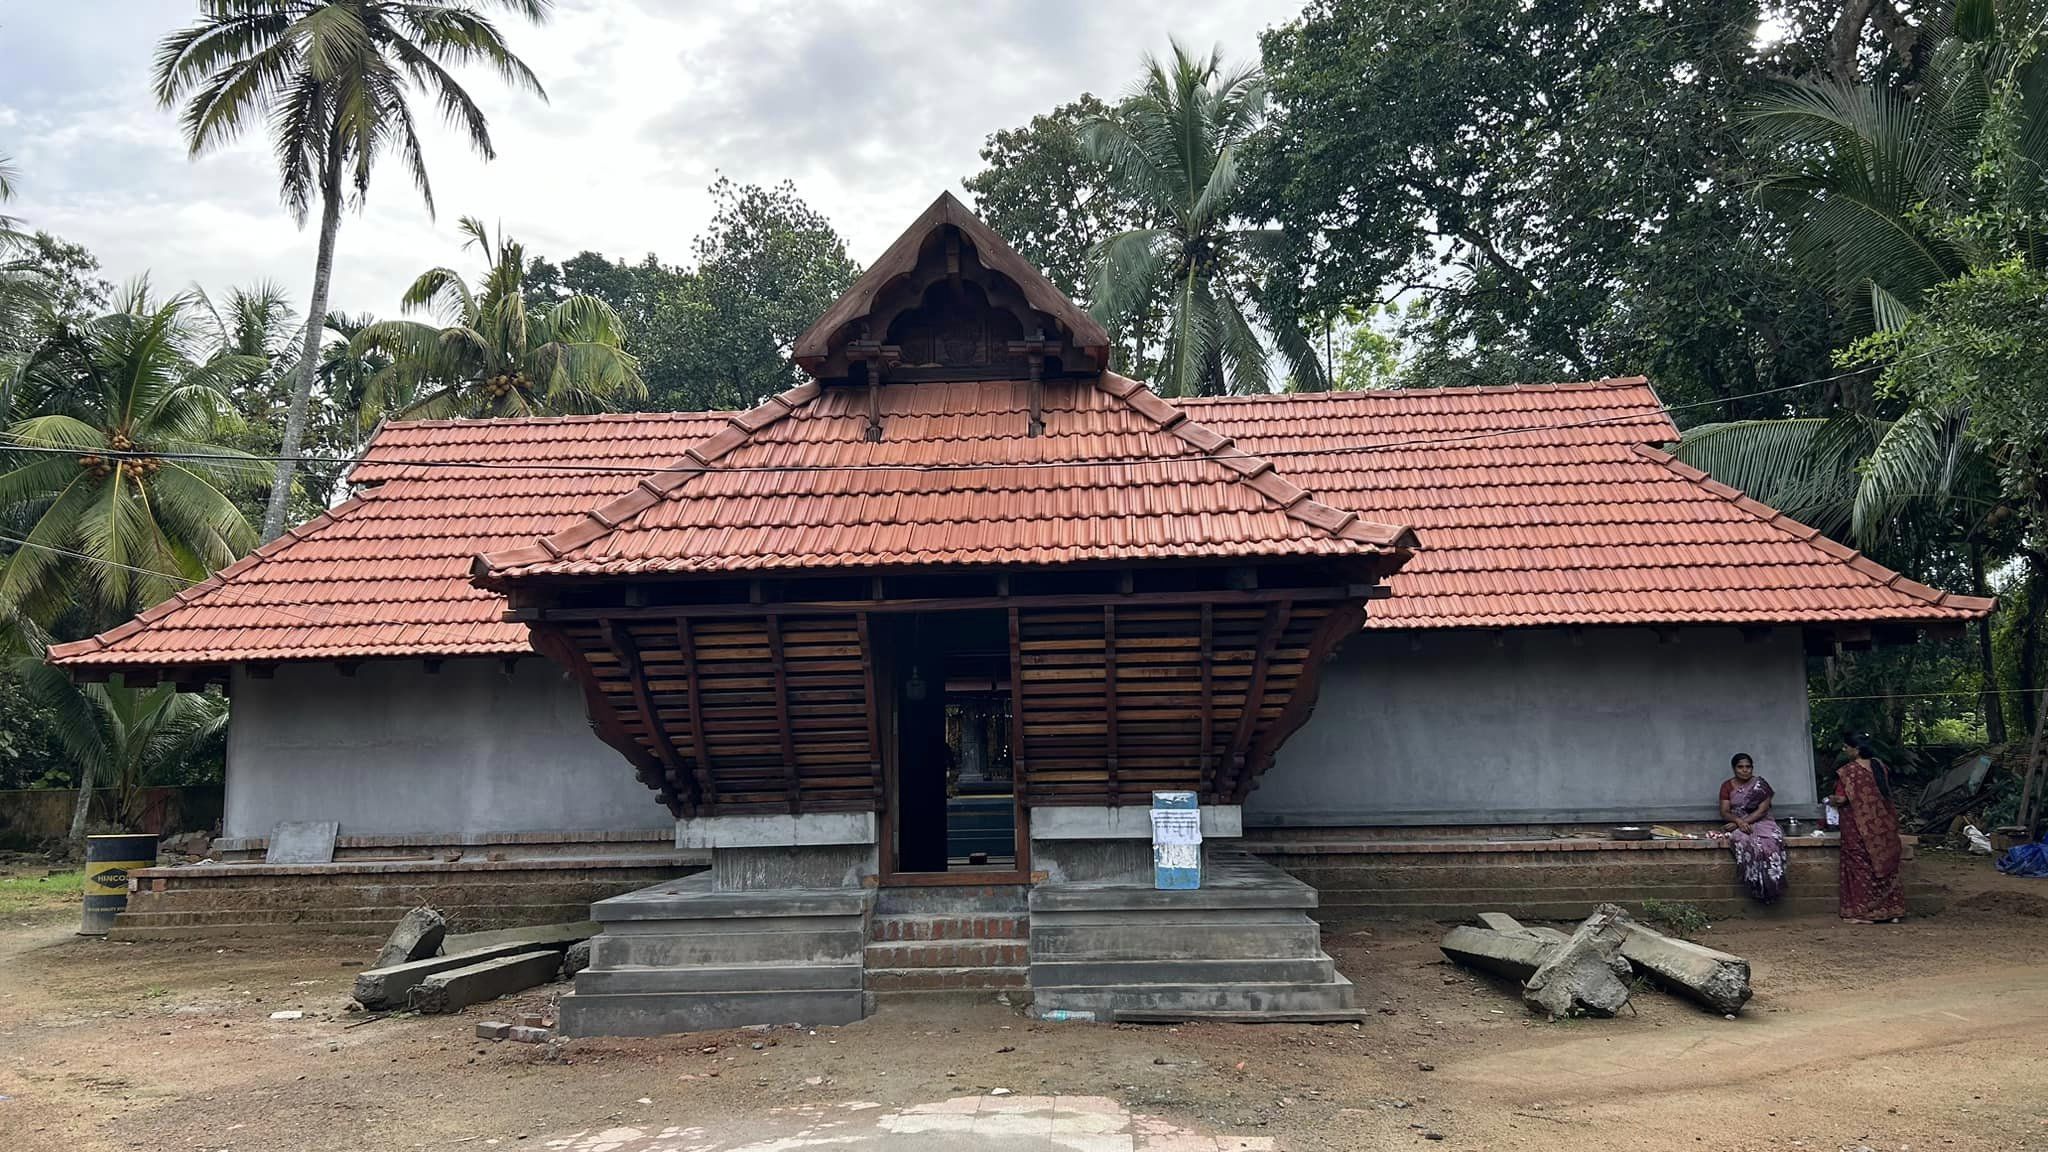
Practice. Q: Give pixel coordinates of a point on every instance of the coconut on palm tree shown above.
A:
(1173, 144)
(490, 356)
(119, 474)
(333, 79)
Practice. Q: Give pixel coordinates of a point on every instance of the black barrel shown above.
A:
(108, 862)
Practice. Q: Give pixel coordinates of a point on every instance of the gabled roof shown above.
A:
(1537, 506)
(815, 345)
(1118, 475)
(1549, 505)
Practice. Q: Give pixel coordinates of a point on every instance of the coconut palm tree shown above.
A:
(489, 356)
(333, 79)
(1173, 145)
(120, 514)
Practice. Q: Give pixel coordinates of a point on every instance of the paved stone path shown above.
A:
(961, 1124)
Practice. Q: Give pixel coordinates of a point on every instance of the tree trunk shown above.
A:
(2030, 644)
(1992, 703)
(84, 806)
(309, 356)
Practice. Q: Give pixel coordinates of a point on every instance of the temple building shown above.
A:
(918, 641)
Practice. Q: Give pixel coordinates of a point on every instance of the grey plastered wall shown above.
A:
(1610, 725)
(396, 750)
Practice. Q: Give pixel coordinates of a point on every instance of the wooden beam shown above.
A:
(700, 758)
(1255, 690)
(796, 798)
(1109, 698)
(874, 703)
(1020, 775)
(1221, 598)
(1208, 660)
(604, 719)
(620, 641)
(1339, 626)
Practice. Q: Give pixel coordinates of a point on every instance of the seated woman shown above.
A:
(1872, 890)
(1759, 845)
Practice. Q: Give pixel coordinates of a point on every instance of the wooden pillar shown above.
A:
(686, 640)
(1109, 700)
(795, 782)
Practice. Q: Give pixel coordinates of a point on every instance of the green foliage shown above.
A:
(1677, 917)
(768, 266)
(489, 356)
(136, 380)
(1560, 187)
(1040, 190)
(1175, 145)
(38, 891)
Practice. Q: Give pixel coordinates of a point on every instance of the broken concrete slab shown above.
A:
(458, 988)
(419, 934)
(1715, 979)
(1514, 955)
(1585, 975)
(381, 988)
(532, 935)
(576, 959)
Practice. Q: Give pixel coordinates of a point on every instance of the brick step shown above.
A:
(886, 929)
(949, 954)
(953, 900)
(157, 916)
(899, 980)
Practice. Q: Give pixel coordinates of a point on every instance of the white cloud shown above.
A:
(871, 107)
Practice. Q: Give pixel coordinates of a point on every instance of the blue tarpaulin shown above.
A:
(2026, 859)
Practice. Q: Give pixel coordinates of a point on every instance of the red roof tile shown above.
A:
(1117, 475)
(1535, 506)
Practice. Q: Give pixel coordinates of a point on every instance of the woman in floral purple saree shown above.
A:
(1759, 845)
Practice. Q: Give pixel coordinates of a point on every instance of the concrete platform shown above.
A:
(1242, 944)
(685, 956)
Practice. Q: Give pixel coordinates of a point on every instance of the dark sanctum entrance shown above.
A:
(955, 802)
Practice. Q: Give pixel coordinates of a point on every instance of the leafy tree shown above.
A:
(334, 80)
(84, 470)
(769, 265)
(1562, 188)
(1173, 144)
(489, 357)
(1040, 190)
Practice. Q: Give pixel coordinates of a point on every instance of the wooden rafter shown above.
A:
(604, 720)
(700, 757)
(1255, 690)
(788, 738)
(1207, 657)
(1340, 625)
(620, 641)
(1248, 597)
(1109, 699)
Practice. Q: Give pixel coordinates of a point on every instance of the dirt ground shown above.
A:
(1918, 1036)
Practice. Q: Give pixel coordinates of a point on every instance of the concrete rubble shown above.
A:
(419, 935)
(1589, 972)
(458, 988)
(391, 987)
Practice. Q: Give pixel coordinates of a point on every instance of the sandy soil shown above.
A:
(1918, 1036)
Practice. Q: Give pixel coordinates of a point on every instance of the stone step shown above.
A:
(726, 945)
(900, 980)
(1330, 996)
(671, 1013)
(884, 929)
(156, 914)
(949, 954)
(737, 978)
(1294, 938)
(953, 900)
(1121, 973)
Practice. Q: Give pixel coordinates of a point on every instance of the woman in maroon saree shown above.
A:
(1759, 844)
(1871, 889)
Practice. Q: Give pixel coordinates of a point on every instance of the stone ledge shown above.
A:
(1496, 847)
(1127, 822)
(661, 836)
(808, 830)
(202, 872)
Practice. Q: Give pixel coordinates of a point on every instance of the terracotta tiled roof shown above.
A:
(1118, 475)
(1547, 505)
(1535, 506)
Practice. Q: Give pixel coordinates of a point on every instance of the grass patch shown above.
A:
(36, 893)
(1676, 917)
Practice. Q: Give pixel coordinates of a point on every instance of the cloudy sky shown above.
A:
(871, 108)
